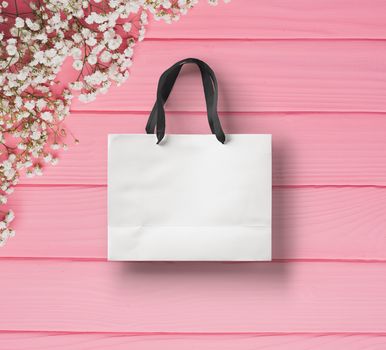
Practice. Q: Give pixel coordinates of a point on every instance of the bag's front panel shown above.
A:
(191, 198)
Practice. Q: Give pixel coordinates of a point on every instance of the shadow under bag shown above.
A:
(189, 197)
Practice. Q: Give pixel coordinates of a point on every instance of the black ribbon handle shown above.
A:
(166, 82)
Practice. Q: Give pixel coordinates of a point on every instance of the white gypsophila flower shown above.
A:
(115, 43)
(19, 22)
(77, 64)
(105, 56)
(35, 135)
(47, 158)
(11, 50)
(76, 53)
(91, 41)
(127, 27)
(128, 52)
(37, 170)
(30, 105)
(9, 216)
(34, 26)
(78, 85)
(41, 103)
(9, 190)
(166, 4)
(92, 59)
(47, 116)
(87, 97)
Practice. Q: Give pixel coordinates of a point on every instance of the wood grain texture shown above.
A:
(48, 341)
(308, 223)
(312, 73)
(308, 149)
(259, 76)
(192, 297)
(251, 19)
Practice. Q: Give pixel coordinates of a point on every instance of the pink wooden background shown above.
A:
(312, 73)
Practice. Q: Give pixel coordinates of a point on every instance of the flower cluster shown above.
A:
(98, 35)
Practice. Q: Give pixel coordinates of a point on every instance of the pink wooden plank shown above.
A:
(308, 223)
(303, 75)
(177, 297)
(249, 19)
(42, 341)
(308, 149)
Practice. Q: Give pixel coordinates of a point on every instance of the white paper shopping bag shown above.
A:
(189, 197)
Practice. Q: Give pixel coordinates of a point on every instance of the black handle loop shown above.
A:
(166, 82)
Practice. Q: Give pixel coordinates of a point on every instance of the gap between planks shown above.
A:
(31, 185)
(97, 112)
(193, 334)
(154, 39)
(281, 261)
